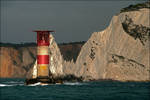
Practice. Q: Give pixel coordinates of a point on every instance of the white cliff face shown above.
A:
(119, 52)
(56, 59)
(34, 74)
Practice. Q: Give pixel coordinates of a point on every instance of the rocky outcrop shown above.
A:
(120, 52)
(56, 60)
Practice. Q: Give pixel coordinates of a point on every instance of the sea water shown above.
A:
(14, 89)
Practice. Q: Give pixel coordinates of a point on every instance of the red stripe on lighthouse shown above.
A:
(43, 59)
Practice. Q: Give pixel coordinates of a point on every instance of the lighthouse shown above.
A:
(41, 69)
(43, 42)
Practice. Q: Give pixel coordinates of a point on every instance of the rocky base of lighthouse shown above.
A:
(54, 80)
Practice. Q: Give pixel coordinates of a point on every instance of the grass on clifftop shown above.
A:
(136, 7)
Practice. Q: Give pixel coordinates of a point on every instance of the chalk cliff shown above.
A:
(120, 52)
(16, 61)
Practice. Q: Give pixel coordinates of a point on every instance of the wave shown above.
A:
(39, 83)
(3, 85)
(13, 82)
(71, 83)
(66, 83)
(21, 83)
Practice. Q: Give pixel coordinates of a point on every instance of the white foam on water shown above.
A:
(11, 83)
(39, 83)
(66, 83)
(3, 85)
(14, 82)
(70, 83)
(35, 84)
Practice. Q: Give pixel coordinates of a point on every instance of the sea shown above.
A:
(15, 89)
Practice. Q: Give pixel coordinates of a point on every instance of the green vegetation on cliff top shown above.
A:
(136, 7)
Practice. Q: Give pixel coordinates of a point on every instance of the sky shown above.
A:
(73, 20)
